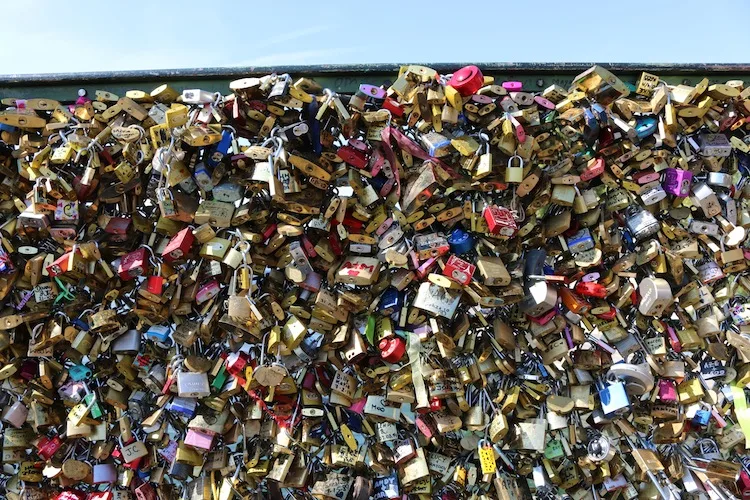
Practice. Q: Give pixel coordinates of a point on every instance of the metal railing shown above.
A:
(343, 78)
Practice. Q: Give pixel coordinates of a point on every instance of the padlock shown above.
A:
(514, 170)
(655, 296)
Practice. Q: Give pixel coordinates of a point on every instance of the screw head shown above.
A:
(540, 83)
(82, 92)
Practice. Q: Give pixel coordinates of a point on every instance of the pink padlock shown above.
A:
(15, 414)
(667, 391)
(513, 86)
(198, 439)
(104, 473)
(207, 292)
(545, 103)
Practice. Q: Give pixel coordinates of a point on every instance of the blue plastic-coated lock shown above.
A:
(378, 182)
(311, 110)
(220, 149)
(702, 417)
(581, 241)
(79, 372)
(645, 127)
(627, 238)
(460, 241)
(591, 131)
(203, 177)
(158, 333)
(355, 423)
(80, 324)
(600, 113)
(534, 263)
(390, 302)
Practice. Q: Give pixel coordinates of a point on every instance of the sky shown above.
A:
(51, 36)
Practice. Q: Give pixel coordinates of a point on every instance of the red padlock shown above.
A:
(591, 289)
(436, 404)
(594, 168)
(744, 484)
(155, 284)
(236, 363)
(353, 156)
(145, 492)
(100, 495)
(459, 270)
(544, 318)
(392, 349)
(133, 264)
(426, 426)
(500, 221)
(70, 495)
(61, 265)
(47, 447)
(394, 107)
(609, 315)
(269, 231)
(179, 245)
(467, 80)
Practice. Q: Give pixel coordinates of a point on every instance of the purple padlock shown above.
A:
(667, 391)
(677, 182)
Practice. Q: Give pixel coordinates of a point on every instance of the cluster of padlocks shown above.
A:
(446, 288)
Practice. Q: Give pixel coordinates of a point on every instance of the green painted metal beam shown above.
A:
(343, 78)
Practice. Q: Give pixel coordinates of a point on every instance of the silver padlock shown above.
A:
(655, 296)
(704, 197)
(192, 385)
(641, 223)
(540, 298)
(127, 343)
(652, 193)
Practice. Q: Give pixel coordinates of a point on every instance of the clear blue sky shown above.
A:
(42, 36)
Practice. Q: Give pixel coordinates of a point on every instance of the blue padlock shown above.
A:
(390, 301)
(378, 182)
(203, 177)
(220, 149)
(79, 372)
(601, 113)
(80, 324)
(591, 131)
(184, 406)
(158, 333)
(311, 110)
(702, 417)
(645, 127)
(460, 241)
(628, 240)
(581, 241)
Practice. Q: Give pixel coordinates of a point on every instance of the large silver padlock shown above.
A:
(655, 295)
(641, 223)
